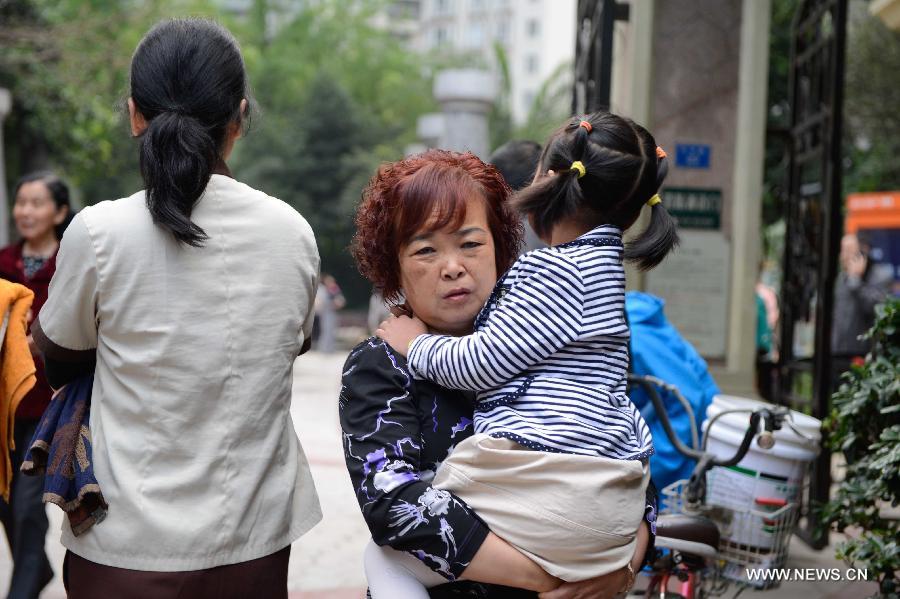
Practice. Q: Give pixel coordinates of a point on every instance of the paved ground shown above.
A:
(326, 564)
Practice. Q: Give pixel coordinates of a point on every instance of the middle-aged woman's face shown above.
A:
(35, 212)
(447, 275)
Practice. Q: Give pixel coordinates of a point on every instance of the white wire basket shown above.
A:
(755, 532)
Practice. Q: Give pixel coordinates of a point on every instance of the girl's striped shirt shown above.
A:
(549, 355)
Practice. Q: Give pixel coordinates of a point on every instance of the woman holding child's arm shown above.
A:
(437, 227)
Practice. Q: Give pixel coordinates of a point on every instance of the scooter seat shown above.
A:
(695, 535)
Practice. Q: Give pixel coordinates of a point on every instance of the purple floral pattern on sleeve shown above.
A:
(396, 431)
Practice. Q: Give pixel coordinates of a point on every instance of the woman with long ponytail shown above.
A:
(189, 300)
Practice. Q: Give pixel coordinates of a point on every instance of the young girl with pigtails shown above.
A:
(558, 464)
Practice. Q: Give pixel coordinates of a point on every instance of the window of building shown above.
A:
(475, 35)
(503, 32)
(443, 7)
(478, 5)
(441, 36)
(532, 63)
(533, 27)
(403, 9)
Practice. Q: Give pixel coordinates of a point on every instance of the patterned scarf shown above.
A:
(61, 448)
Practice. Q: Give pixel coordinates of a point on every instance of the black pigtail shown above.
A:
(661, 235)
(554, 197)
(549, 200)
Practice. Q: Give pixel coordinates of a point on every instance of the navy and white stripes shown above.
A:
(549, 355)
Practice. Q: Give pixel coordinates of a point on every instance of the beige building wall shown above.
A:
(694, 72)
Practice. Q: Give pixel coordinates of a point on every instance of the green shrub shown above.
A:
(864, 424)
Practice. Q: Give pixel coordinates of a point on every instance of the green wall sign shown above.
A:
(694, 208)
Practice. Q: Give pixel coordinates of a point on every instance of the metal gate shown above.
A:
(814, 223)
(593, 53)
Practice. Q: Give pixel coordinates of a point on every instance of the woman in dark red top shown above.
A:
(41, 211)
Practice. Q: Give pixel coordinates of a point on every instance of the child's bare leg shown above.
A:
(394, 574)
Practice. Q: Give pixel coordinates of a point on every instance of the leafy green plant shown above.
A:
(865, 425)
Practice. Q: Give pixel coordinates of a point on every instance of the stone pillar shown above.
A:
(632, 93)
(5, 107)
(747, 187)
(430, 129)
(466, 97)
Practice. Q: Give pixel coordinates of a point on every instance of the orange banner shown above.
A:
(872, 210)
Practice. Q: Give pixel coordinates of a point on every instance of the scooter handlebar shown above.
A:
(650, 387)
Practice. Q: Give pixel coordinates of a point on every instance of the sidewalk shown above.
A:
(326, 563)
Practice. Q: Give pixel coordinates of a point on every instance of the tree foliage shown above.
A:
(871, 119)
(66, 64)
(552, 104)
(337, 96)
(778, 114)
(865, 425)
(551, 107)
(871, 141)
(334, 96)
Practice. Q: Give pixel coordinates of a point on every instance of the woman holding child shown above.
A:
(437, 228)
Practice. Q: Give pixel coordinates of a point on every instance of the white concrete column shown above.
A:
(430, 129)
(5, 107)
(466, 97)
(632, 68)
(632, 91)
(746, 204)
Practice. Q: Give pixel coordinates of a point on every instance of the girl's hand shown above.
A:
(601, 587)
(400, 331)
(498, 562)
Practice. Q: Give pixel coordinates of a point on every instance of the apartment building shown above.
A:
(536, 36)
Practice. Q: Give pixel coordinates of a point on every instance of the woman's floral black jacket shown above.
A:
(396, 432)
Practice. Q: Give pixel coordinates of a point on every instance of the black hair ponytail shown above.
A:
(177, 158)
(661, 235)
(619, 171)
(187, 81)
(550, 199)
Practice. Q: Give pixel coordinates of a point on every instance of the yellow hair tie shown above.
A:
(578, 166)
(654, 200)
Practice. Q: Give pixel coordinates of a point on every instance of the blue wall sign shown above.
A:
(692, 155)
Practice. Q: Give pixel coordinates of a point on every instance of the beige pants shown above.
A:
(576, 516)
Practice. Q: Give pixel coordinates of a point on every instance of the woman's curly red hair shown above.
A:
(428, 189)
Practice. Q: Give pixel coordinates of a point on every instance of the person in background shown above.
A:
(378, 311)
(767, 315)
(862, 284)
(41, 212)
(517, 162)
(659, 350)
(329, 299)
